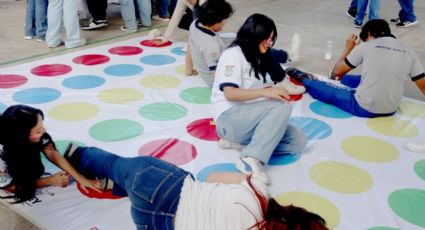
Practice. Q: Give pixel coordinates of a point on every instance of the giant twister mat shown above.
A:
(133, 99)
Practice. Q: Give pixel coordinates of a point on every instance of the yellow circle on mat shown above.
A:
(312, 203)
(392, 126)
(180, 69)
(160, 81)
(120, 95)
(73, 111)
(369, 149)
(412, 109)
(340, 177)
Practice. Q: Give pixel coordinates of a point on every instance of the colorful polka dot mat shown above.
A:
(133, 99)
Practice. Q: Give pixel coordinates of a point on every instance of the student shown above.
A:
(246, 112)
(36, 20)
(22, 139)
(386, 63)
(164, 196)
(206, 45)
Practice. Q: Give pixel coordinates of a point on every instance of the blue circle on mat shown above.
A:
(203, 174)
(157, 59)
(312, 127)
(36, 95)
(178, 51)
(123, 70)
(283, 159)
(83, 82)
(3, 107)
(328, 110)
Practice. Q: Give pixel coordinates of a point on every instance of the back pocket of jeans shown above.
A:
(148, 182)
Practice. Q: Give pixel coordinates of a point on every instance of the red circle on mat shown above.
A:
(295, 97)
(172, 150)
(203, 129)
(126, 50)
(150, 43)
(93, 194)
(51, 70)
(11, 80)
(91, 59)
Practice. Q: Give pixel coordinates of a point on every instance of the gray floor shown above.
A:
(317, 21)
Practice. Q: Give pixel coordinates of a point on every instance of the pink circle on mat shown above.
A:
(11, 80)
(172, 150)
(203, 129)
(126, 50)
(51, 70)
(91, 59)
(150, 43)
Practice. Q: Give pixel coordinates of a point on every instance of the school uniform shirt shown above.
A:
(5, 178)
(233, 70)
(211, 206)
(387, 64)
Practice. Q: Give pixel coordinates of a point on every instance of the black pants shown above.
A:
(97, 8)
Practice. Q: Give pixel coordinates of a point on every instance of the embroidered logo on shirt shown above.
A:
(228, 70)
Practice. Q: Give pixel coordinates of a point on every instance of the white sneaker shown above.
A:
(291, 87)
(28, 37)
(295, 47)
(225, 144)
(159, 18)
(415, 146)
(123, 28)
(249, 165)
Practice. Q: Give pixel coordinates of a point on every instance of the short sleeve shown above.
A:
(46, 139)
(229, 69)
(355, 58)
(417, 71)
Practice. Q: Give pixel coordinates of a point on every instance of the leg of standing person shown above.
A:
(97, 9)
(72, 25)
(145, 11)
(128, 15)
(352, 9)
(29, 27)
(361, 9)
(406, 15)
(374, 6)
(172, 6)
(41, 19)
(54, 23)
(163, 9)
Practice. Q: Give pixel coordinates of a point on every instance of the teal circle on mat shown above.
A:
(162, 111)
(197, 95)
(83, 82)
(420, 169)
(328, 110)
(226, 167)
(178, 51)
(61, 147)
(409, 204)
(123, 70)
(312, 127)
(283, 159)
(157, 59)
(36, 95)
(115, 130)
(3, 107)
(382, 228)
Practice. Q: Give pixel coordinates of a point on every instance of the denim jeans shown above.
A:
(129, 15)
(36, 19)
(64, 11)
(153, 186)
(97, 9)
(374, 6)
(163, 8)
(263, 127)
(407, 12)
(341, 97)
(274, 68)
(353, 5)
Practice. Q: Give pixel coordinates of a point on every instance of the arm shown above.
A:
(238, 94)
(341, 68)
(180, 9)
(421, 84)
(226, 178)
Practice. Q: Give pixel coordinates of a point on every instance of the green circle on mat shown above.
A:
(160, 81)
(382, 228)
(392, 126)
(73, 111)
(369, 149)
(312, 203)
(115, 130)
(340, 177)
(180, 69)
(420, 169)
(412, 109)
(120, 95)
(409, 204)
(162, 111)
(197, 95)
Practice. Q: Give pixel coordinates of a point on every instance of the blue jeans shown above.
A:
(407, 12)
(275, 70)
(163, 8)
(36, 19)
(128, 13)
(374, 6)
(353, 5)
(341, 97)
(263, 127)
(152, 185)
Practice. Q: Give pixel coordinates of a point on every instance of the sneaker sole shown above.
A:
(94, 27)
(408, 25)
(349, 15)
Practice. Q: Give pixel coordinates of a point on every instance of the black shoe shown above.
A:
(352, 12)
(298, 74)
(69, 151)
(395, 20)
(94, 24)
(403, 24)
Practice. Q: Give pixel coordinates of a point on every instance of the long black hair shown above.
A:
(22, 158)
(256, 28)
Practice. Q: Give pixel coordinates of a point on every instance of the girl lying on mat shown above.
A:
(164, 196)
(22, 138)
